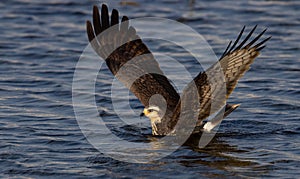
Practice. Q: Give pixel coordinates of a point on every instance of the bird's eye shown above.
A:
(150, 110)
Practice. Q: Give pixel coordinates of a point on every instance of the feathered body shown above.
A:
(129, 59)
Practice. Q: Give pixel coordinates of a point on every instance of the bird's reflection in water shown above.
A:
(216, 153)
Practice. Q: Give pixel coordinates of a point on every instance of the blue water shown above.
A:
(40, 44)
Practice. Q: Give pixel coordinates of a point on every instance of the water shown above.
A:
(40, 44)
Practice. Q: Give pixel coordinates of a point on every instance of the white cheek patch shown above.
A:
(155, 108)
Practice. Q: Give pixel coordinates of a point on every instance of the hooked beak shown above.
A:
(145, 112)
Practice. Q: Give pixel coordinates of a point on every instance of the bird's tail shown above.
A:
(208, 126)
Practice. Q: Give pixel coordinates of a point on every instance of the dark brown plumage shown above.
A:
(118, 46)
(132, 63)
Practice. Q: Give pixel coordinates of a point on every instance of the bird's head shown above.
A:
(153, 113)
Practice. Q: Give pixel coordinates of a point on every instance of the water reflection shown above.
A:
(221, 153)
(218, 156)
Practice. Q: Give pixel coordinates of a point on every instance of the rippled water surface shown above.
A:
(40, 44)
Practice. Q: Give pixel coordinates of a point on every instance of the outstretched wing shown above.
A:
(128, 58)
(234, 62)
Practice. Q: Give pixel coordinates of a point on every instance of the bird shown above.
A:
(134, 65)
